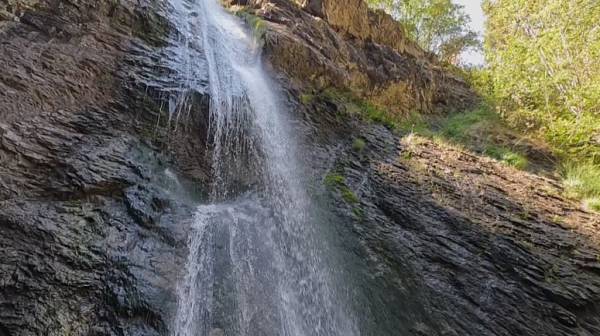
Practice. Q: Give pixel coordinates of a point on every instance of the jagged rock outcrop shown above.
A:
(92, 238)
(455, 243)
(345, 45)
(355, 18)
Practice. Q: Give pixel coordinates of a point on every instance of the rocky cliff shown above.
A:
(90, 234)
(93, 219)
(344, 45)
(455, 244)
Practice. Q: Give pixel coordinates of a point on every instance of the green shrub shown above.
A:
(506, 156)
(358, 145)
(573, 141)
(543, 70)
(582, 181)
(455, 127)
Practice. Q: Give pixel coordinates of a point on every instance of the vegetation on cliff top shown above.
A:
(542, 79)
(466, 129)
(544, 69)
(440, 26)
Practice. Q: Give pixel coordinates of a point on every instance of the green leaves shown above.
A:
(439, 26)
(544, 60)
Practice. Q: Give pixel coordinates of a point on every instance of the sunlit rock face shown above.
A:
(344, 45)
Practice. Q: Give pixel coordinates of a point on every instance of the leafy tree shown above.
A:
(439, 26)
(544, 64)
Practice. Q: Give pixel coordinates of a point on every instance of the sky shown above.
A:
(473, 8)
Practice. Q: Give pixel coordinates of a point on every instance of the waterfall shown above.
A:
(256, 264)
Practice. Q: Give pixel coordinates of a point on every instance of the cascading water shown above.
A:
(256, 264)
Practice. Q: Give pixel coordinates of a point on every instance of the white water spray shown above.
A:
(256, 264)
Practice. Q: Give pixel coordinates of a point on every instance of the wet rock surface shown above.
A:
(92, 232)
(90, 243)
(455, 243)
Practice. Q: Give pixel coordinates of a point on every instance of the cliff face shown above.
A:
(453, 243)
(93, 237)
(90, 236)
(457, 244)
(346, 46)
(354, 18)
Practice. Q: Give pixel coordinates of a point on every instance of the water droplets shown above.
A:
(256, 264)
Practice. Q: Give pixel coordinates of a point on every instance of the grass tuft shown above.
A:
(377, 114)
(357, 212)
(358, 145)
(456, 127)
(582, 181)
(592, 204)
(348, 195)
(305, 98)
(257, 25)
(334, 179)
(506, 156)
(335, 95)
(355, 104)
(514, 160)
(416, 124)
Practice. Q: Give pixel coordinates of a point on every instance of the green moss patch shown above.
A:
(337, 182)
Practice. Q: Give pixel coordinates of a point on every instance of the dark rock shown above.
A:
(444, 257)
(92, 244)
(92, 230)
